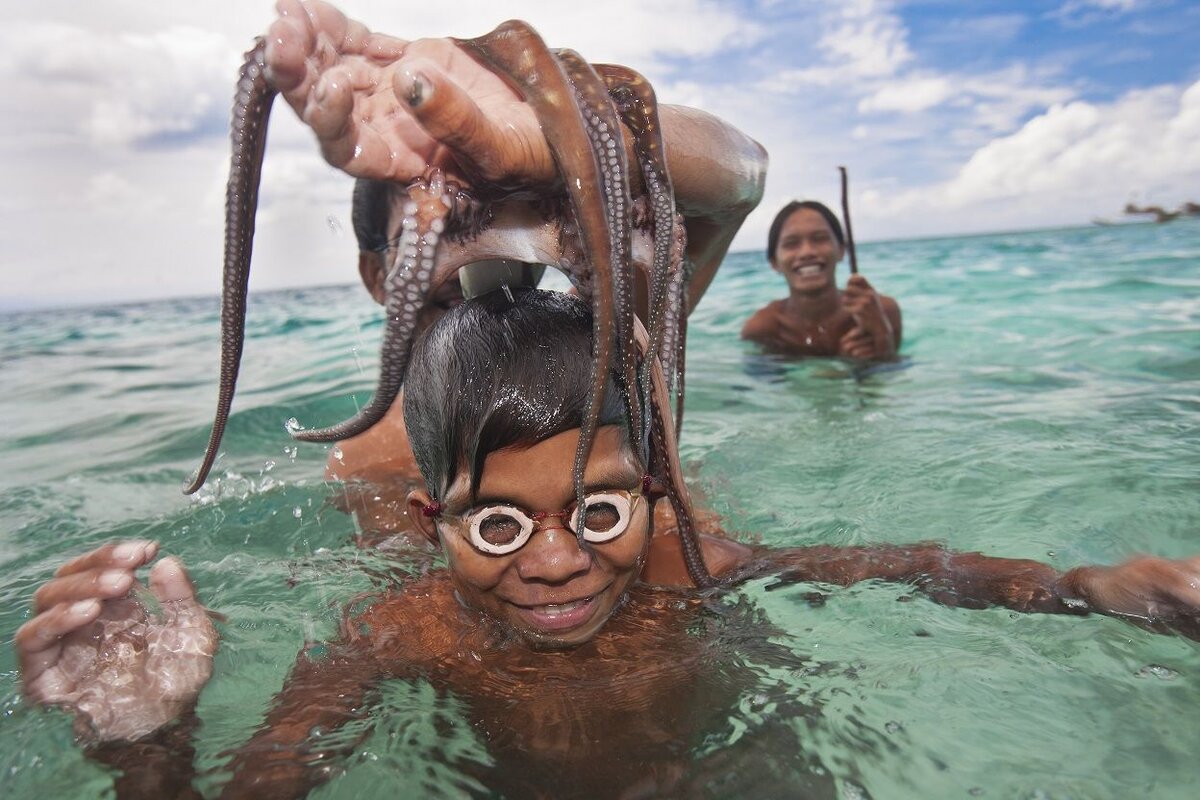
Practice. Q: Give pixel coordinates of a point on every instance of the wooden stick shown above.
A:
(846, 218)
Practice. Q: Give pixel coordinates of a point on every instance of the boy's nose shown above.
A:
(553, 555)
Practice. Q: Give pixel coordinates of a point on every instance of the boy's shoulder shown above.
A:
(664, 560)
(762, 323)
(418, 622)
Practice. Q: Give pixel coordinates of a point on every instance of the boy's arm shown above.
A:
(311, 722)
(1153, 591)
(718, 173)
(295, 747)
(877, 317)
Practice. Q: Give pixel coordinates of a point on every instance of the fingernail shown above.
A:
(127, 551)
(82, 608)
(115, 580)
(419, 89)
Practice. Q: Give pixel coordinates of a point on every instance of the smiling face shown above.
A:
(807, 253)
(551, 591)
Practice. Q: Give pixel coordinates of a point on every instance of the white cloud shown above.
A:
(116, 88)
(1002, 99)
(869, 40)
(1077, 13)
(908, 95)
(1074, 159)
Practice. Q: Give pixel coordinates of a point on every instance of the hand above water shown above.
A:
(872, 336)
(93, 647)
(386, 108)
(1154, 591)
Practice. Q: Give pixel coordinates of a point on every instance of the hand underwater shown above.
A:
(1154, 591)
(94, 648)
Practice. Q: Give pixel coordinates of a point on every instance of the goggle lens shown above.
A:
(503, 529)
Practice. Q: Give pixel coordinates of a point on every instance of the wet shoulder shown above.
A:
(763, 323)
(416, 624)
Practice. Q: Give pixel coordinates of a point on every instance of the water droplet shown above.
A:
(893, 727)
(334, 226)
(290, 451)
(293, 425)
(852, 791)
(336, 452)
(297, 512)
(1157, 671)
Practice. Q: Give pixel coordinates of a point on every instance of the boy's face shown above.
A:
(550, 590)
(807, 253)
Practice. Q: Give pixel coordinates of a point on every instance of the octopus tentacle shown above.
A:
(604, 131)
(409, 284)
(516, 52)
(669, 471)
(672, 350)
(635, 100)
(248, 137)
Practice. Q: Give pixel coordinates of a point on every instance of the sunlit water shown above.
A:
(1048, 407)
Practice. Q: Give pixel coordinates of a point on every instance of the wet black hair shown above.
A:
(369, 211)
(496, 372)
(791, 208)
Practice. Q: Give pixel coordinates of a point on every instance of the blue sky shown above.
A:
(953, 117)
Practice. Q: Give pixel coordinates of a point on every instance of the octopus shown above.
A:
(611, 226)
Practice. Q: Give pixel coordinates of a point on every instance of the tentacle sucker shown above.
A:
(408, 285)
(581, 114)
(248, 137)
(515, 51)
(604, 130)
(638, 107)
(668, 470)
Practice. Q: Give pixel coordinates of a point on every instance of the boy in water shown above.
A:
(532, 596)
(534, 604)
(804, 245)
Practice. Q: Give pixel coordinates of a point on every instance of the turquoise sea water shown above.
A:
(1048, 407)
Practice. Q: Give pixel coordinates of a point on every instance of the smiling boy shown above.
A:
(804, 245)
(531, 595)
(571, 641)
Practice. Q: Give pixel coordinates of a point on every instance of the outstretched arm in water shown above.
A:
(1159, 593)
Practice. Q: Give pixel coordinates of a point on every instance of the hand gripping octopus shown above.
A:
(585, 112)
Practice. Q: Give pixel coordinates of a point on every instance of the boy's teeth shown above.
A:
(563, 608)
(810, 270)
